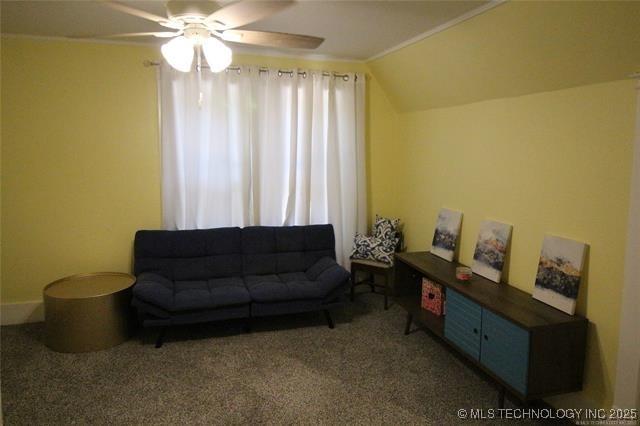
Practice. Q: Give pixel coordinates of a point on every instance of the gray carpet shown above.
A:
(291, 369)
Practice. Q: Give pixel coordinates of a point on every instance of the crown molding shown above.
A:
(474, 12)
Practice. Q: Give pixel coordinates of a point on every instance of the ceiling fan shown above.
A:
(200, 26)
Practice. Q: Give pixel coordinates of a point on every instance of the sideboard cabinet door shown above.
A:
(505, 350)
(462, 323)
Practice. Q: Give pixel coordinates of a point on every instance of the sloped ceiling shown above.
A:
(515, 49)
(353, 30)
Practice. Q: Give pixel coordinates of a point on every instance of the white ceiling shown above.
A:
(352, 29)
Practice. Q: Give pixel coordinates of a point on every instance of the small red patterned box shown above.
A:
(432, 296)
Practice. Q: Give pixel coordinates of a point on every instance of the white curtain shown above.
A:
(249, 147)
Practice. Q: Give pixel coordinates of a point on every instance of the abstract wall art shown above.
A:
(559, 272)
(446, 234)
(491, 249)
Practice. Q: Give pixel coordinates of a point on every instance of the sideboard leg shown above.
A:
(407, 327)
(160, 339)
(501, 397)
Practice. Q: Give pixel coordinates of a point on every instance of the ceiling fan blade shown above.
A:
(141, 14)
(266, 38)
(159, 34)
(245, 12)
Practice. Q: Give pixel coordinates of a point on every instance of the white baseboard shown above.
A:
(21, 313)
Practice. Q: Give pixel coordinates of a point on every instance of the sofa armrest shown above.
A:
(154, 277)
(154, 289)
(327, 269)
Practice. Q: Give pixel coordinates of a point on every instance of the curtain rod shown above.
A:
(345, 77)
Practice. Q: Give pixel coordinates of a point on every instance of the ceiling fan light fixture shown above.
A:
(200, 25)
(218, 55)
(179, 53)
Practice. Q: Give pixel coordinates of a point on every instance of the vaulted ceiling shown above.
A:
(515, 49)
(352, 29)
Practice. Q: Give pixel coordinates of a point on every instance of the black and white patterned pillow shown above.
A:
(371, 248)
(385, 228)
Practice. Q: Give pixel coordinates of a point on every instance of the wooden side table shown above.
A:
(372, 268)
(88, 312)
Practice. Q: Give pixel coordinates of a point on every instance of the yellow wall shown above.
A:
(555, 162)
(80, 155)
(517, 48)
(551, 153)
(80, 160)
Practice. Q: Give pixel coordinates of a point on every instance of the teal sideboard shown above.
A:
(530, 349)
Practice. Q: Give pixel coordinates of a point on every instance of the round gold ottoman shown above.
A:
(88, 312)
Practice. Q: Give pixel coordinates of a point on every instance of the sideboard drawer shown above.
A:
(505, 350)
(462, 323)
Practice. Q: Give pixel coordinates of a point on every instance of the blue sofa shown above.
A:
(196, 276)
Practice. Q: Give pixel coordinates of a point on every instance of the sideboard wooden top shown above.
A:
(503, 299)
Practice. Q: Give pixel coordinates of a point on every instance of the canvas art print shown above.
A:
(491, 249)
(559, 273)
(446, 234)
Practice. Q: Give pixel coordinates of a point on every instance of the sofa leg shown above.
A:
(160, 339)
(327, 315)
(247, 325)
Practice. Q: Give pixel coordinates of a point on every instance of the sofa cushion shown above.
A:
(281, 249)
(293, 276)
(319, 242)
(179, 296)
(290, 239)
(271, 288)
(259, 250)
(189, 255)
(333, 276)
(324, 279)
